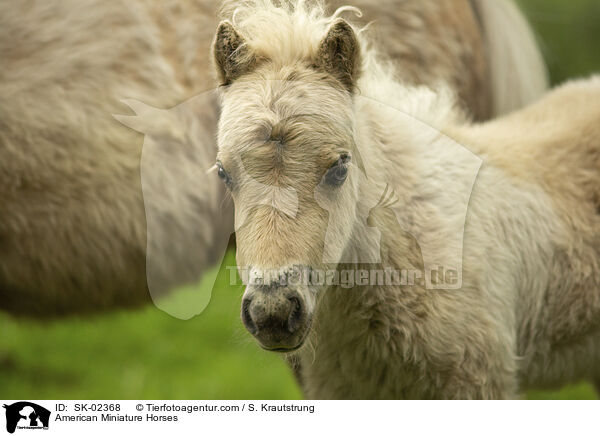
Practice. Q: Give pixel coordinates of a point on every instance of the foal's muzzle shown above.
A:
(277, 316)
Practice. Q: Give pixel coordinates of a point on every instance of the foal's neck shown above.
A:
(401, 146)
(418, 178)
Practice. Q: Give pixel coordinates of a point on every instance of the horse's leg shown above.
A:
(487, 370)
(294, 363)
(500, 387)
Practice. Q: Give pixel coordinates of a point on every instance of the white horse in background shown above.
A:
(74, 236)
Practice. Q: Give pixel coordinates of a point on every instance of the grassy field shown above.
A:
(142, 354)
(147, 354)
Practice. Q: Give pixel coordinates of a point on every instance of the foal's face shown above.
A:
(285, 153)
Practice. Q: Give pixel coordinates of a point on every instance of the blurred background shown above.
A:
(147, 354)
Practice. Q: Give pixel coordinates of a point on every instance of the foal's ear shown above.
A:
(231, 54)
(339, 54)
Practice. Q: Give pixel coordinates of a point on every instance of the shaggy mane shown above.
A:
(285, 31)
(290, 31)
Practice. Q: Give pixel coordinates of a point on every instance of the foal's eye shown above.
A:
(336, 175)
(223, 174)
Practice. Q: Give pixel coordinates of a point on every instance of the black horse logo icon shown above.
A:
(26, 414)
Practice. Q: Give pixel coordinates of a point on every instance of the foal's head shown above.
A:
(286, 150)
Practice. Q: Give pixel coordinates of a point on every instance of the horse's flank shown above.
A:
(528, 313)
(555, 145)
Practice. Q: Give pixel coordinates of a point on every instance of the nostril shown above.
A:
(296, 314)
(246, 318)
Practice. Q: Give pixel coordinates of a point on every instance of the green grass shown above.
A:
(142, 355)
(148, 354)
(582, 391)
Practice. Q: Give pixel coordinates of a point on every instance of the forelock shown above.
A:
(262, 110)
(282, 31)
